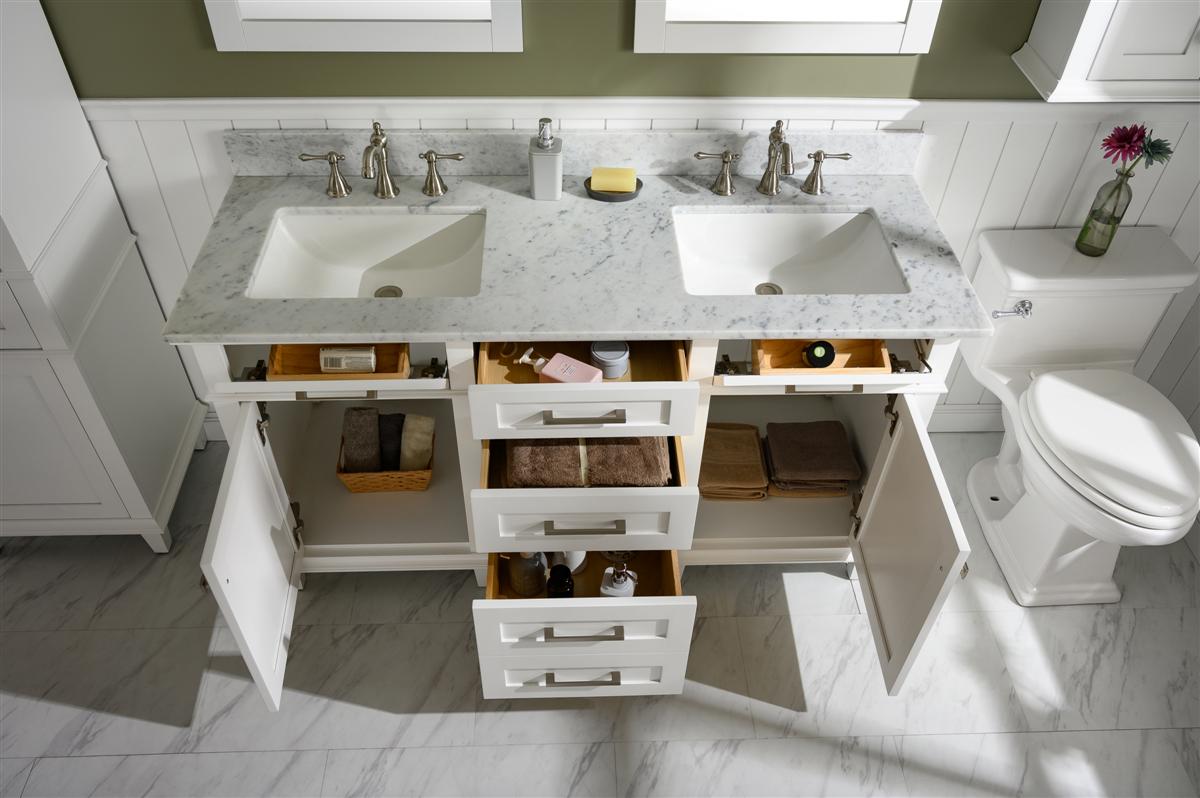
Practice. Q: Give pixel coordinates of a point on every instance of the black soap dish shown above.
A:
(612, 196)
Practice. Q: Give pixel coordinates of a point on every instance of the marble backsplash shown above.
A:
(505, 152)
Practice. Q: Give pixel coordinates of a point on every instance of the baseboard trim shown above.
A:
(78, 526)
(966, 418)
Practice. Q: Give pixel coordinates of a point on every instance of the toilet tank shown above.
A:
(1086, 311)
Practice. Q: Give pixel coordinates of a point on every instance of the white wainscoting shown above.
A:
(984, 165)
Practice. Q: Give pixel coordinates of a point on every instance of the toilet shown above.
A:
(1094, 458)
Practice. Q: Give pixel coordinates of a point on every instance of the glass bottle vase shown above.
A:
(1105, 216)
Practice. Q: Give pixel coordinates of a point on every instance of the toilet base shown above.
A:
(1045, 560)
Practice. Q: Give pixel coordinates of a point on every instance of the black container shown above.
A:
(560, 584)
(819, 354)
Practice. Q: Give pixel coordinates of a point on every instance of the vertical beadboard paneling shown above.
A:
(1180, 177)
(1056, 174)
(1179, 355)
(939, 150)
(122, 146)
(178, 175)
(216, 172)
(970, 180)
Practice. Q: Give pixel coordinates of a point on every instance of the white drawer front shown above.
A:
(586, 676)
(316, 390)
(578, 519)
(554, 627)
(573, 411)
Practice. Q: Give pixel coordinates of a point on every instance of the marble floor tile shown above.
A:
(749, 590)
(326, 599)
(957, 452)
(415, 597)
(1092, 763)
(807, 767)
(1158, 576)
(1191, 755)
(284, 774)
(200, 485)
(714, 702)
(348, 687)
(820, 676)
(510, 770)
(13, 775)
(1103, 667)
(53, 582)
(110, 692)
(550, 720)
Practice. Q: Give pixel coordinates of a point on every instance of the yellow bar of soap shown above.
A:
(613, 178)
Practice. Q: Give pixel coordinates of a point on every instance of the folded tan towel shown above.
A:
(808, 452)
(416, 442)
(732, 465)
(588, 462)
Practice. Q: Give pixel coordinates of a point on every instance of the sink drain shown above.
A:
(767, 289)
(389, 292)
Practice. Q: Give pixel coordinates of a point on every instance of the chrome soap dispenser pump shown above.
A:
(545, 163)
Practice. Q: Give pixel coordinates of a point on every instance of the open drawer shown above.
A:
(862, 366)
(657, 618)
(581, 519)
(655, 396)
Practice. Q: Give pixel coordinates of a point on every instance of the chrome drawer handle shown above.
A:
(369, 394)
(611, 417)
(618, 528)
(616, 635)
(614, 680)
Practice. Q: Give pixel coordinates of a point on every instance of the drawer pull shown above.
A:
(617, 634)
(614, 680)
(618, 528)
(616, 416)
(304, 395)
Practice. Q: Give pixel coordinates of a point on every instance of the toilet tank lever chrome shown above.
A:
(1023, 309)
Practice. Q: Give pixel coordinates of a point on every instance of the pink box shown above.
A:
(561, 368)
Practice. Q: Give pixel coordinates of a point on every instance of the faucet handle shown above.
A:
(434, 185)
(723, 185)
(338, 187)
(815, 182)
(433, 157)
(821, 155)
(726, 156)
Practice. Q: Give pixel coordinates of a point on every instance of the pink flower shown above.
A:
(1124, 143)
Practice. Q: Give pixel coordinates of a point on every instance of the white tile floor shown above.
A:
(117, 678)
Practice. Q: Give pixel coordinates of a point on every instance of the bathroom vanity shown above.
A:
(486, 271)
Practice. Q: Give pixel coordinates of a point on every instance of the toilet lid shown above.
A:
(1120, 436)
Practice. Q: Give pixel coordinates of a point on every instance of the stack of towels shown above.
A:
(732, 467)
(810, 460)
(374, 441)
(588, 463)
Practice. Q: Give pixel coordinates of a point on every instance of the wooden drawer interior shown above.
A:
(649, 361)
(853, 356)
(303, 362)
(493, 468)
(657, 571)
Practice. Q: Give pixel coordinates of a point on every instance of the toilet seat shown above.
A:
(1089, 424)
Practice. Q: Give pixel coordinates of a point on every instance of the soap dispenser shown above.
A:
(618, 581)
(545, 163)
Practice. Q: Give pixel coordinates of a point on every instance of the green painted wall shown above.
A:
(163, 48)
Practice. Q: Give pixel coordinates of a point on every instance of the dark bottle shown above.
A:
(560, 584)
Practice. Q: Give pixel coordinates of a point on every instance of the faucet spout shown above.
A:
(375, 163)
(779, 160)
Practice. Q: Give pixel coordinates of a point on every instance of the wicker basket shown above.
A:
(384, 481)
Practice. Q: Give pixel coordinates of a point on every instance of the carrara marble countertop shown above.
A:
(576, 269)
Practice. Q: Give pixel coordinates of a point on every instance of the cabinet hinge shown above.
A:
(855, 520)
(263, 423)
(966, 569)
(299, 527)
(889, 410)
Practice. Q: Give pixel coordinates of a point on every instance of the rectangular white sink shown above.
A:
(313, 253)
(784, 252)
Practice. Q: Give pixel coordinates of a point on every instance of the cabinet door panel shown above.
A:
(1150, 40)
(251, 559)
(15, 332)
(909, 547)
(48, 466)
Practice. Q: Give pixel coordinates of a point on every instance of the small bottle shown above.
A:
(560, 584)
(545, 163)
(563, 368)
(618, 581)
(527, 573)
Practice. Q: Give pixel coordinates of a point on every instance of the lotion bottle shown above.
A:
(545, 163)
(618, 581)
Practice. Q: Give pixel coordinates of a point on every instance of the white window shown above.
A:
(784, 26)
(452, 26)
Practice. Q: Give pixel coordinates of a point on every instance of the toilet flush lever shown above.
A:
(1023, 309)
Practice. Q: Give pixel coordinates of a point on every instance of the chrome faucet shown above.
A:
(723, 185)
(779, 161)
(815, 183)
(434, 185)
(375, 163)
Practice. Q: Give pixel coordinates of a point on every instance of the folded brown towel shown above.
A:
(808, 452)
(808, 492)
(610, 463)
(627, 462)
(391, 426)
(732, 466)
(360, 439)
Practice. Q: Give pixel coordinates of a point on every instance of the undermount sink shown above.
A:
(313, 253)
(785, 252)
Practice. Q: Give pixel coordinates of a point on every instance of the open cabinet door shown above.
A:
(251, 558)
(909, 546)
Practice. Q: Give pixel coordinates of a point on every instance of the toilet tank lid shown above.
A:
(1140, 259)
